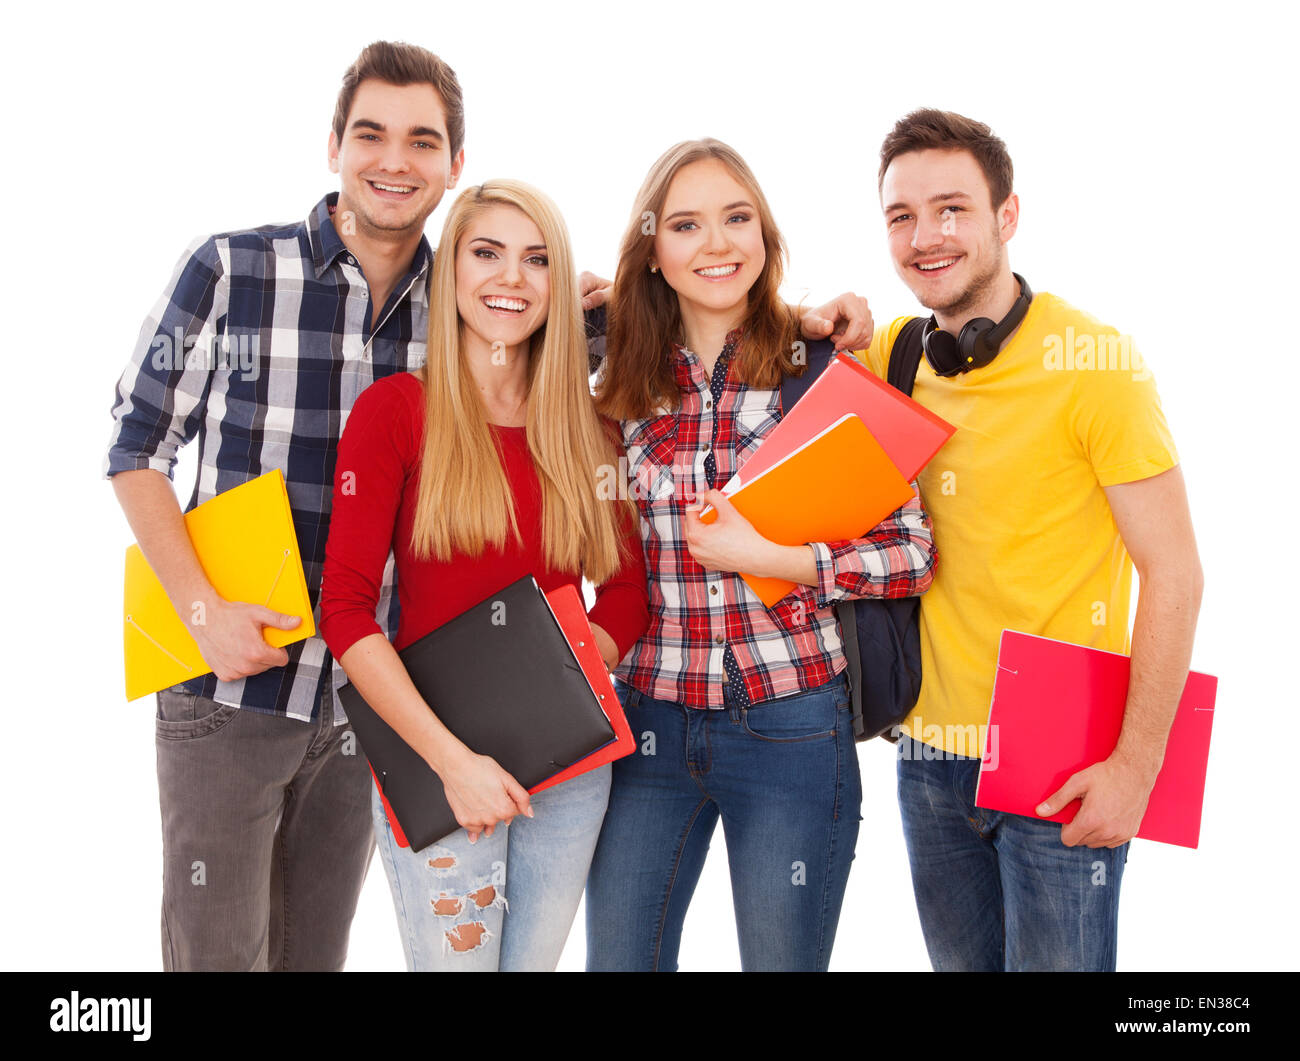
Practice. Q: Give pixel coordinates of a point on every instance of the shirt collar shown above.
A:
(326, 245)
(681, 366)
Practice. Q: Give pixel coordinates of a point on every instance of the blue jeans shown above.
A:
(1000, 891)
(783, 777)
(505, 903)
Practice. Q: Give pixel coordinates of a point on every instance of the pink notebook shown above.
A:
(909, 433)
(1058, 708)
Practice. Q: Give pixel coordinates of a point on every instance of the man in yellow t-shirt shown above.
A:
(1062, 469)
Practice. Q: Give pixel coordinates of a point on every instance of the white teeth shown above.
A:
(393, 187)
(516, 304)
(935, 265)
(718, 270)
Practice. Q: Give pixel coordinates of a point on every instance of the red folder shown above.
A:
(566, 604)
(567, 607)
(908, 433)
(1058, 708)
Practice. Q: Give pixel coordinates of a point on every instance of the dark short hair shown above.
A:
(928, 128)
(404, 64)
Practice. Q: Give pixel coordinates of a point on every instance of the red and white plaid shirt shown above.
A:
(694, 613)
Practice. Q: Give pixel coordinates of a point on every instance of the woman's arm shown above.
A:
(479, 791)
(895, 559)
(378, 450)
(622, 609)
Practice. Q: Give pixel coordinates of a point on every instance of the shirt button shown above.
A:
(351, 260)
(718, 639)
(713, 590)
(709, 404)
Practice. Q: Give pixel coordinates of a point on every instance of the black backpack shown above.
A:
(882, 638)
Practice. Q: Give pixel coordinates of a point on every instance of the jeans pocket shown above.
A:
(812, 716)
(185, 716)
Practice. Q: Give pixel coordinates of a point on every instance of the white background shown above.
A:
(1154, 157)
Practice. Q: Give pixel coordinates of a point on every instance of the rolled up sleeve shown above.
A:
(162, 396)
(896, 558)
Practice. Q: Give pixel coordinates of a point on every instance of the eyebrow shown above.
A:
(415, 130)
(692, 213)
(502, 246)
(942, 197)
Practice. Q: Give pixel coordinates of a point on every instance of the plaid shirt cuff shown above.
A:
(895, 559)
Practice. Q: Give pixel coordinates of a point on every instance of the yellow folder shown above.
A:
(834, 487)
(244, 539)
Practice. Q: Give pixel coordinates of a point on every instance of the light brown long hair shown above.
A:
(464, 502)
(644, 317)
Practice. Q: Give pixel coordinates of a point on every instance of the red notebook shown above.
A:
(908, 433)
(567, 607)
(1057, 708)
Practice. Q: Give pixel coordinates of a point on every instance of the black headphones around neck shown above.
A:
(979, 341)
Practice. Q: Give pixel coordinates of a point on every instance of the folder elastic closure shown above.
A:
(245, 541)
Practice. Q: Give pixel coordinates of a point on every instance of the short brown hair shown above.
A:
(404, 64)
(927, 129)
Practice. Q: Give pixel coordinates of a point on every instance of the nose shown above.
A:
(927, 234)
(716, 240)
(510, 273)
(394, 158)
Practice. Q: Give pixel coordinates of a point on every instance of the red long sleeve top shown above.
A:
(376, 481)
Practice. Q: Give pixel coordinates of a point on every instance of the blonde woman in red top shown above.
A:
(484, 467)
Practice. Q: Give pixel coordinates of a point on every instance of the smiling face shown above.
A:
(945, 237)
(503, 281)
(394, 161)
(709, 245)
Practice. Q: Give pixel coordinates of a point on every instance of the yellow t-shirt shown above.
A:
(1025, 536)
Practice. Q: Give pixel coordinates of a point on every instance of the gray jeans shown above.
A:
(266, 836)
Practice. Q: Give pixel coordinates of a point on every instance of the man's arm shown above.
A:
(1156, 526)
(161, 399)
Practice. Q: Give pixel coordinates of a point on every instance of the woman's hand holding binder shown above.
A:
(481, 793)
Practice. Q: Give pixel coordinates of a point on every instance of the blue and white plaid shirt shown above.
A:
(259, 347)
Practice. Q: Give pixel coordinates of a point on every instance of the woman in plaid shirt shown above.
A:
(742, 712)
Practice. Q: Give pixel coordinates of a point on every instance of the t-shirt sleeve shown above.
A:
(1119, 422)
(375, 455)
(876, 356)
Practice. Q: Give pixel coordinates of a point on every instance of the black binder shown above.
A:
(503, 679)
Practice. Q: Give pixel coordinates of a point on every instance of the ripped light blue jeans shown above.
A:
(505, 903)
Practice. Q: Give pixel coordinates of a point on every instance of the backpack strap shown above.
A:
(819, 353)
(905, 356)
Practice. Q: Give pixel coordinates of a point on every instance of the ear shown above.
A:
(457, 167)
(1009, 217)
(332, 152)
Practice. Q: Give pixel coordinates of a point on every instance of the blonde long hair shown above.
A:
(464, 503)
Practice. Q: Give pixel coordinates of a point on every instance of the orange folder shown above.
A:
(836, 486)
(909, 433)
(1058, 708)
(245, 540)
(567, 607)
